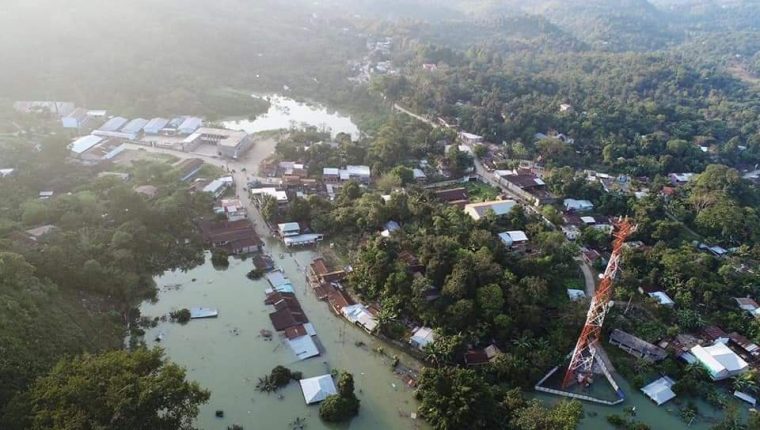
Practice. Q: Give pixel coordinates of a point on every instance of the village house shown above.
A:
(637, 347)
(578, 205)
(318, 388)
(749, 305)
(470, 138)
(218, 186)
(479, 357)
(662, 298)
(319, 270)
(514, 239)
(453, 196)
(660, 390)
(528, 187)
(188, 168)
(421, 337)
(289, 229)
(234, 237)
(476, 211)
(361, 316)
(233, 209)
(719, 360)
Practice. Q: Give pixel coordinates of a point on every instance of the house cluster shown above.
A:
(376, 62)
(326, 284)
(285, 180)
(288, 317)
(722, 355)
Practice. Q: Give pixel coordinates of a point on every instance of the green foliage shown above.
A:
(182, 316)
(117, 390)
(452, 398)
(342, 406)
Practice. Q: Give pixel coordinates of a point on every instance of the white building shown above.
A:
(575, 295)
(83, 144)
(217, 187)
(513, 238)
(719, 360)
(361, 316)
(357, 173)
(421, 337)
(289, 229)
(479, 210)
(662, 298)
(660, 391)
(280, 196)
(470, 139)
(317, 388)
(578, 205)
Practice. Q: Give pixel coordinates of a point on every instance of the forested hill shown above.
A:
(167, 57)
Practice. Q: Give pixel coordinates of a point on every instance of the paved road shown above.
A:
(588, 277)
(414, 115)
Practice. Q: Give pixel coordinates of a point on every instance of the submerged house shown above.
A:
(317, 388)
(637, 347)
(660, 391)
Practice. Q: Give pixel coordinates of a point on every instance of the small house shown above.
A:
(289, 229)
(421, 337)
(578, 205)
(660, 391)
(637, 347)
(318, 388)
(514, 239)
(662, 298)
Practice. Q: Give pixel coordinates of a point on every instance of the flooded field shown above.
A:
(285, 113)
(227, 354)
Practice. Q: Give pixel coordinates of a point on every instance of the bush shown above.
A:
(342, 406)
(182, 316)
(219, 258)
(337, 408)
(255, 274)
(281, 376)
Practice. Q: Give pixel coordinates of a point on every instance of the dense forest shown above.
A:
(72, 290)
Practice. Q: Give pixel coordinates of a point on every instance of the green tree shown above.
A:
(342, 406)
(116, 390)
(452, 398)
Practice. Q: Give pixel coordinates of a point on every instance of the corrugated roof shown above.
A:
(135, 126)
(84, 143)
(113, 124)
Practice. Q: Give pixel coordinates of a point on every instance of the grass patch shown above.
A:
(480, 192)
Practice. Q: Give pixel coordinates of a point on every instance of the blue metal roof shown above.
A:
(113, 124)
(135, 126)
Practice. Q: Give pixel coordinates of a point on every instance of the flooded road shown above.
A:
(227, 354)
(285, 113)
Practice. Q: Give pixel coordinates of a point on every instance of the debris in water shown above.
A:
(219, 413)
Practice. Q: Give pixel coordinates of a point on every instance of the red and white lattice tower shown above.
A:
(582, 362)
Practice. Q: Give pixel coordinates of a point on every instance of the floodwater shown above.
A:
(285, 113)
(666, 416)
(227, 354)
